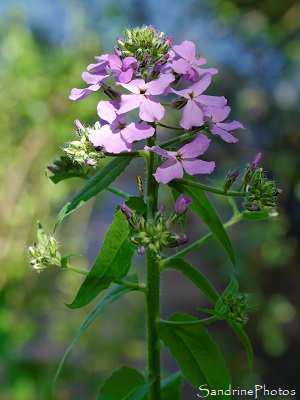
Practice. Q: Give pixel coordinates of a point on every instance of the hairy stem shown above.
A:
(209, 188)
(153, 281)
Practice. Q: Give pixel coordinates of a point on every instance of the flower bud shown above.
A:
(79, 125)
(182, 204)
(178, 103)
(126, 210)
(231, 177)
(254, 163)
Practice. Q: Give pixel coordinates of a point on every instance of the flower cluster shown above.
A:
(235, 307)
(147, 65)
(44, 253)
(154, 234)
(82, 151)
(261, 192)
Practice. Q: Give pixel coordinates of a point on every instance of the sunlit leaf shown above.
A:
(100, 181)
(113, 262)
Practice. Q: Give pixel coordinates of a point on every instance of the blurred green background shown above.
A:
(44, 47)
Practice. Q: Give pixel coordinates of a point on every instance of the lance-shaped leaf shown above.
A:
(124, 384)
(194, 276)
(100, 181)
(196, 353)
(204, 209)
(113, 262)
(112, 295)
(171, 387)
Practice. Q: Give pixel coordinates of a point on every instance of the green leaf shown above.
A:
(61, 176)
(204, 209)
(112, 295)
(196, 353)
(64, 259)
(256, 215)
(244, 338)
(121, 384)
(171, 387)
(194, 276)
(232, 288)
(137, 205)
(113, 262)
(100, 181)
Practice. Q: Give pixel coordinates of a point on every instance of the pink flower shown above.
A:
(121, 68)
(143, 97)
(183, 159)
(95, 79)
(115, 134)
(192, 114)
(187, 64)
(214, 116)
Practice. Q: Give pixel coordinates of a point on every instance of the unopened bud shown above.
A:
(254, 163)
(182, 204)
(231, 177)
(78, 125)
(179, 103)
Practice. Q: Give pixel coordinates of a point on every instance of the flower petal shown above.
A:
(159, 85)
(79, 94)
(162, 152)
(193, 167)
(134, 132)
(215, 130)
(192, 115)
(169, 170)
(107, 110)
(195, 148)
(186, 50)
(129, 102)
(151, 110)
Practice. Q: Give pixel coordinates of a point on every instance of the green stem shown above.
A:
(169, 127)
(234, 220)
(209, 188)
(153, 281)
(118, 192)
(197, 322)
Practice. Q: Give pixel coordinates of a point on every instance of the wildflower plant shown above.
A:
(145, 77)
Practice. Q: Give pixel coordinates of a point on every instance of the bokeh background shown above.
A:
(44, 47)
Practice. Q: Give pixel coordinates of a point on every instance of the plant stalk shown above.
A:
(153, 281)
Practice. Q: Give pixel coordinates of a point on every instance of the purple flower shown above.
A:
(187, 64)
(182, 204)
(94, 79)
(115, 134)
(183, 159)
(143, 97)
(214, 116)
(121, 68)
(192, 114)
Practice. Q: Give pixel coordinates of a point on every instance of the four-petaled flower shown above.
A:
(188, 64)
(143, 97)
(184, 159)
(116, 135)
(192, 114)
(95, 79)
(214, 116)
(121, 68)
